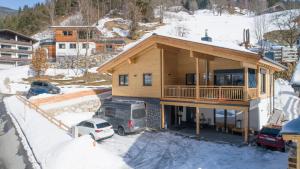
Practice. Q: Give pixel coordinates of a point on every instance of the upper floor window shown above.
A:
(6, 46)
(230, 77)
(22, 56)
(109, 48)
(252, 78)
(62, 46)
(23, 48)
(72, 45)
(123, 80)
(190, 79)
(85, 46)
(147, 79)
(67, 33)
(263, 81)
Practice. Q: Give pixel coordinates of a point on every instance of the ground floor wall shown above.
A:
(152, 110)
(260, 112)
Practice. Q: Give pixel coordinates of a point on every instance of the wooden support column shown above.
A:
(162, 56)
(207, 72)
(298, 154)
(197, 78)
(246, 86)
(246, 125)
(197, 121)
(162, 110)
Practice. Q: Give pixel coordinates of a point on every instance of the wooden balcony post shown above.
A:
(246, 125)
(246, 86)
(162, 73)
(197, 78)
(162, 108)
(258, 81)
(197, 121)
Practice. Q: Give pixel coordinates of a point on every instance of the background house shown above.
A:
(15, 48)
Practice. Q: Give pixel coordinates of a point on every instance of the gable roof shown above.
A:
(19, 34)
(210, 48)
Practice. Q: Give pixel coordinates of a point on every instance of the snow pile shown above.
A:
(82, 153)
(286, 99)
(296, 75)
(71, 119)
(54, 148)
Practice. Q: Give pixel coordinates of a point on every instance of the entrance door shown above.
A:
(190, 116)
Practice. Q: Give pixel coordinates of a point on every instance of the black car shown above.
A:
(40, 87)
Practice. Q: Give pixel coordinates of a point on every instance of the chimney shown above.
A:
(206, 37)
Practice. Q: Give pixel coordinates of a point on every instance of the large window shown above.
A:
(72, 45)
(233, 77)
(62, 46)
(123, 80)
(85, 46)
(147, 79)
(190, 79)
(263, 81)
(252, 78)
(23, 48)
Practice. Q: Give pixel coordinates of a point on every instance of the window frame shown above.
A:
(263, 81)
(122, 78)
(74, 46)
(63, 44)
(144, 82)
(188, 75)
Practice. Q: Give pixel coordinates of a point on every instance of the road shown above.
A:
(13, 155)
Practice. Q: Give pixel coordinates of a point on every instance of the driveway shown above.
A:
(164, 150)
(13, 155)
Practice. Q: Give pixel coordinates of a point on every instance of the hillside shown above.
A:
(4, 11)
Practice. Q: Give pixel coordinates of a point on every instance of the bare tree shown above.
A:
(134, 14)
(260, 28)
(181, 30)
(39, 61)
(218, 6)
(50, 6)
(287, 26)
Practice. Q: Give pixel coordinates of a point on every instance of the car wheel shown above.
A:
(92, 136)
(121, 131)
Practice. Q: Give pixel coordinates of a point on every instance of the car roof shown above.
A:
(96, 120)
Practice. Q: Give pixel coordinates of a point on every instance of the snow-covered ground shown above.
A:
(56, 149)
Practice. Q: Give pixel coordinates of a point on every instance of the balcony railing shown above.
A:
(235, 93)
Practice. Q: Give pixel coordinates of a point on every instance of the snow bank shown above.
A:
(82, 153)
(286, 99)
(71, 119)
(54, 148)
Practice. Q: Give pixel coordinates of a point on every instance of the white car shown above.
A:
(96, 127)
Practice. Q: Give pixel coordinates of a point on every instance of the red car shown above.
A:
(269, 136)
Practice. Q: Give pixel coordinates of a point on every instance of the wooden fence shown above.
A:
(52, 119)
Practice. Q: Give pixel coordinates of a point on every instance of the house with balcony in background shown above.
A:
(78, 41)
(15, 48)
(194, 83)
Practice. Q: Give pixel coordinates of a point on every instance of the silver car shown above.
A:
(125, 116)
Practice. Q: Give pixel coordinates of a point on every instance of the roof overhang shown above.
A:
(159, 40)
(19, 34)
(266, 62)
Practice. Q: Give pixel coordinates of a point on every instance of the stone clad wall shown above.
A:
(152, 110)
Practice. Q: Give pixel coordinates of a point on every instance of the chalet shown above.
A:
(15, 48)
(195, 83)
(71, 41)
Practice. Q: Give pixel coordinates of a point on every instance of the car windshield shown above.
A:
(270, 131)
(138, 113)
(102, 125)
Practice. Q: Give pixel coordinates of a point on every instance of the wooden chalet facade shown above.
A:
(70, 41)
(182, 80)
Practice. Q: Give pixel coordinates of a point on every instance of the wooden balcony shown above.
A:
(231, 93)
